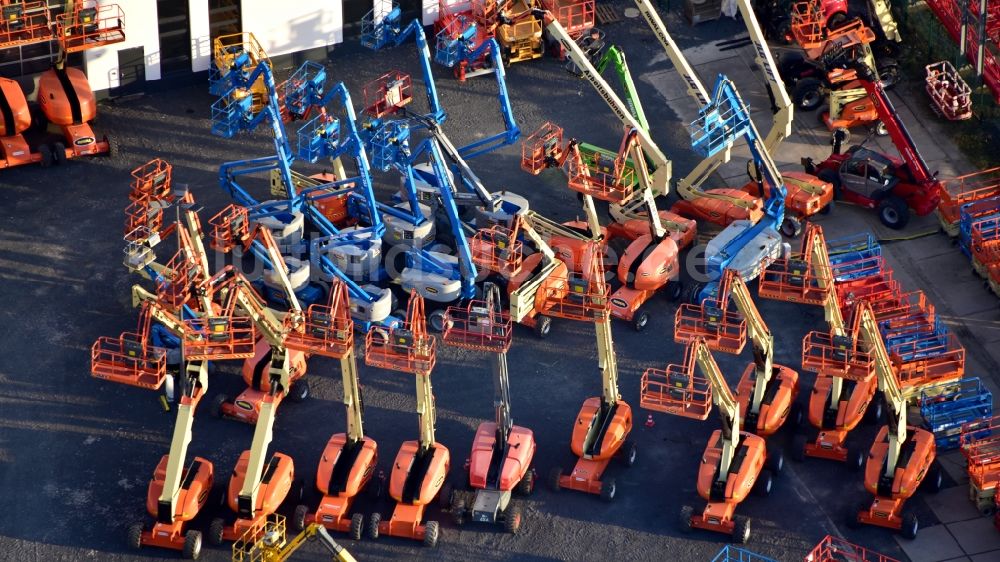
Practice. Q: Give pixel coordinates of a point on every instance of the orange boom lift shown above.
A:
(421, 466)
(349, 459)
(604, 423)
(844, 388)
(68, 106)
(733, 462)
(902, 457)
(502, 452)
(766, 391)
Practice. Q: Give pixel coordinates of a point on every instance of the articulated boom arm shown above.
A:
(194, 389)
(814, 249)
(501, 381)
(781, 104)
(661, 176)
(888, 383)
(729, 409)
(695, 89)
(262, 435)
(340, 309)
(615, 56)
(270, 326)
(416, 321)
(389, 32)
(897, 130)
(760, 335)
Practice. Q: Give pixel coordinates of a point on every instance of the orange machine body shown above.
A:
(272, 491)
(718, 211)
(516, 462)
(833, 429)
(586, 474)
(196, 484)
(643, 269)
(246, 406)
(777, 403)
(343, 472)
(415, 481)
(919, 450)
(806, 194)
(634, 228)
(718, 514)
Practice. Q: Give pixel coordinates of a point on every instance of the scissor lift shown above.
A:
(980, 445)
(948, 407)
(838, 549)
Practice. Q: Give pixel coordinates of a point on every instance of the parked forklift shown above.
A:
(350, 458)
(66, 104)
(502, 453)
(421, 466)
(734, 461)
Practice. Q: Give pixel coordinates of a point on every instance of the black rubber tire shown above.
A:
(836, 21)
(852, 517)
(675, 290)
(444, 495)
(932, 482)
(833, 178)
(687, 512)
(192, 545)
(458, 509)
(741, 529)
(527, 483)
(775, 460)
(114, 148)
(134, 536)
(299, 391)
(357, 526)
(893, 212)
(789, 65)
(59, 156)
(889, 73)
(608, 489)
(298, 521)
(46, 154)
(513, 518)
(910, 526)
(875, 413)
(765, 482)
(554, 475)
(856, 459)
(630, 452)
(640, 321)
(216, 409)
(373, 523)
(215, 531)
(799, 448)
(543, 326)
(807, 94)
(435, 321)
(796, 417)
(431, 531)
(791, 227)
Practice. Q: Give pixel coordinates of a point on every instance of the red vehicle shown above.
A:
(864, 177)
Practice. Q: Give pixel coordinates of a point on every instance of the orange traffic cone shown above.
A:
(649, 421)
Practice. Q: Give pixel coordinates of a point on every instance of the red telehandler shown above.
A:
(876, 181)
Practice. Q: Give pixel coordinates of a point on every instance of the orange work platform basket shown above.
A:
(220, 337)
(175, 284)
(677, 390)
(793, 280)
(327, 330)
(542, 149)
(601, 176)
(128, 359)
(497, 249)
(836, 549)
(575, 296)
(409, 349)
(24, 23)
(723, 330)
(88, 28)
(388, 94)
(230, 227)
(576, 16)
(837, 356)
(478, 327)
(151, 180)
